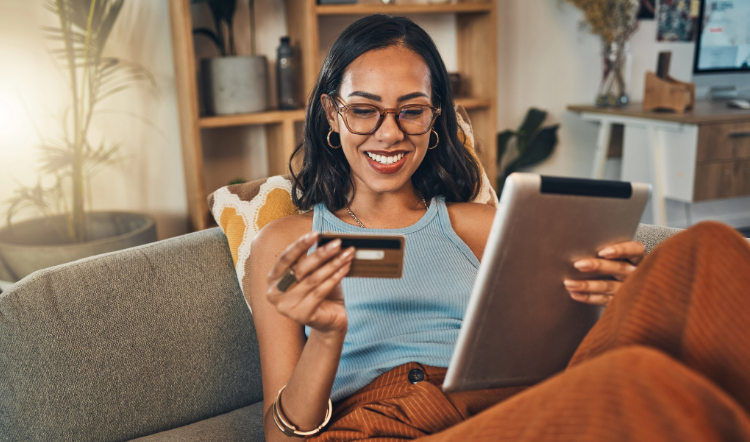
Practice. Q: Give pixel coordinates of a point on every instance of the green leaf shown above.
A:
(533, 145)
(527, 130)
(77, 12)
(211, 35)
(34, 197)
(502, 143)
(540, 148)
(224, 9)
(55, 158)
(101, 156)
(222, 12)
(107, 23)
(115, 75)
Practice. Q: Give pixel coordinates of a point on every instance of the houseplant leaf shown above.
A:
(211, 35)
(222, 12)
(538, 150)
(224, 9)
(503, 138)
(527, 130)
(502, 143)
(533, 145)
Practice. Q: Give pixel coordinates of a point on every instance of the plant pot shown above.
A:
(235, 85)
(34, 244)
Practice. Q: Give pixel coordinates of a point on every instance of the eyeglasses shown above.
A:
(412, 119)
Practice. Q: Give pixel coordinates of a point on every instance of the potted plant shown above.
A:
(66, 231)
(232, 84)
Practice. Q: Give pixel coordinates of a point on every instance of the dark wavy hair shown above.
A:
(448, 170)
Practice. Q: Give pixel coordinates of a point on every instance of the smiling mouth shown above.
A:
(384, 159)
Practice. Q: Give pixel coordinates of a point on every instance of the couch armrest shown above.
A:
(127, 344)
(651, 235)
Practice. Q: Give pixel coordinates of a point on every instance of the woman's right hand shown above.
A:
(316, 300)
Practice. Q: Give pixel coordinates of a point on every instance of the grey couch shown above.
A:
(154, 343)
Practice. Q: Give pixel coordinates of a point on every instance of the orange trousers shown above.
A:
(668, 360)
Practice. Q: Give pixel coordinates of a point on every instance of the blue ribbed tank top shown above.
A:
(413, 319)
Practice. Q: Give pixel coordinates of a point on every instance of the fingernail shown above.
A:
(333, 244)
(348, 254)
(571, 284)
(607, 252)
(584, 264)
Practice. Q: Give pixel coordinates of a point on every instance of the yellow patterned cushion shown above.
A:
(241, 210)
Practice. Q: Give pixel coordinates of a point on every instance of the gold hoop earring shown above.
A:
(437, 141)
(330, 131)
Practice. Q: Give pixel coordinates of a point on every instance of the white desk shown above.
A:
(697, 156)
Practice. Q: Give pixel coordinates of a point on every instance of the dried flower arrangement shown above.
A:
(614, 21)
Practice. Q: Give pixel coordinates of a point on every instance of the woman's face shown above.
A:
(384, 160)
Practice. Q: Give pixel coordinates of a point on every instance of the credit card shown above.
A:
(375, 256)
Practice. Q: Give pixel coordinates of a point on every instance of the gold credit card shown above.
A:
(375, 256)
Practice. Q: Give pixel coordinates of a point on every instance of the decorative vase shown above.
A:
(235, 85)
(33, 245)
(616, 62)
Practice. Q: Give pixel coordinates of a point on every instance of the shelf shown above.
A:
(269, 117)
(277, 116)
(364, 9)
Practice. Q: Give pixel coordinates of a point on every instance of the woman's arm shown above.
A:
(307, 368)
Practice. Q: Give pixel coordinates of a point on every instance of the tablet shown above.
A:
(521, 325)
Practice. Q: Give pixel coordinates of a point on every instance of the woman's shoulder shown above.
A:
(470, 211)
(280, 233)
(472, 223)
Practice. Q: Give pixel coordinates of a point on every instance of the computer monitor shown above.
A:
(722, 52)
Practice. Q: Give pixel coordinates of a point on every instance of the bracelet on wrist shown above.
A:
(290, 429)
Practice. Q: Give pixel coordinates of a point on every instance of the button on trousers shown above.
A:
(669, 360)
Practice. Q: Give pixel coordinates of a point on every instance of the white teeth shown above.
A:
(382, 159)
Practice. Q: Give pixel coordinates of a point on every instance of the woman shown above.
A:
(381, 155)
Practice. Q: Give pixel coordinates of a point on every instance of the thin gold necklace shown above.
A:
(354, 217)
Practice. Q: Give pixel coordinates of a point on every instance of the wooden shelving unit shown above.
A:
(476, 49)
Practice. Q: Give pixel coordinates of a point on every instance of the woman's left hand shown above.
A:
(618, 261)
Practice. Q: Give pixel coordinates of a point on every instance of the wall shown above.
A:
(148, 175)
(547, 61)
